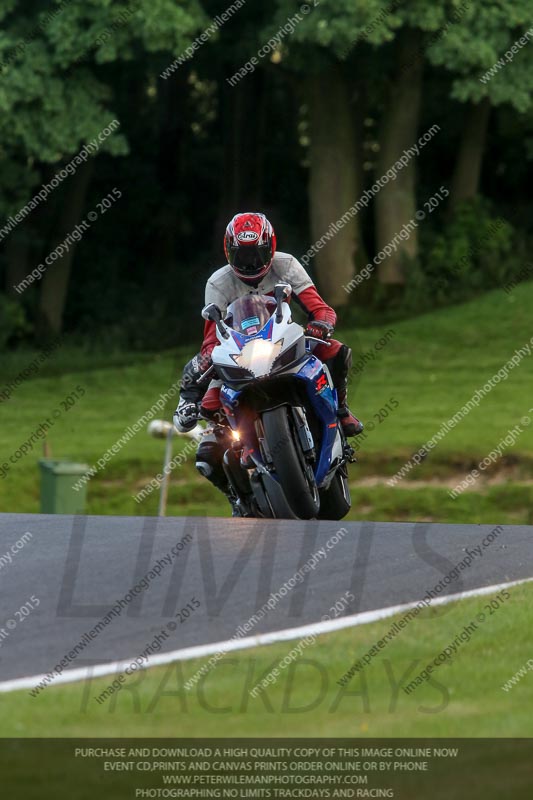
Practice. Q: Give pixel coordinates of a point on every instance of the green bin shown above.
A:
(58, 479)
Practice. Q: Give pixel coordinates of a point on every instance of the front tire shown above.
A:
(295, 475)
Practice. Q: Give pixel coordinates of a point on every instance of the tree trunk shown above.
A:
(359, 99)
(56, 278)
(467, 172)
(333, 183)
(22, 250)
(17, 258)
(395, 203)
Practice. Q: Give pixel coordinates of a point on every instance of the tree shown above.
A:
(332, 180)
(319, 42)
(56, 94)
(485, 73)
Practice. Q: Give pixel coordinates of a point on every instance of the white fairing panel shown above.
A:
(258, 355)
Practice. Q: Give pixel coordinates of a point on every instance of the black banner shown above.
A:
(436, 769)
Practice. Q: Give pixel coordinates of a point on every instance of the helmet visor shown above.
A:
(250, 260)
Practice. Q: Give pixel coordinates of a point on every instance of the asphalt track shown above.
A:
(78, 567)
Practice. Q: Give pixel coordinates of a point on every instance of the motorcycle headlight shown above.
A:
(258, 356)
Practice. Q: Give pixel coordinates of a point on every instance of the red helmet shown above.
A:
(250, 246)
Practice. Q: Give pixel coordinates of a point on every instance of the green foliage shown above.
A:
(54, 97)
(474, 251)
(483, 34)
(13, 323)
(464, 37)
(108, 31)
(334, 28)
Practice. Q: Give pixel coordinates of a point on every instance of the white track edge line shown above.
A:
(199, 651)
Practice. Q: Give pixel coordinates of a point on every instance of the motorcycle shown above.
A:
(287, 454)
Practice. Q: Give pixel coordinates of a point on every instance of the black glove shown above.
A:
(319, 329)
(185, 416)
(214, 415)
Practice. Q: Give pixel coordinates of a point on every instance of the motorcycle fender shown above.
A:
(274, 491)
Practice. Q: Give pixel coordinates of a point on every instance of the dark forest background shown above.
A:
(326, 112)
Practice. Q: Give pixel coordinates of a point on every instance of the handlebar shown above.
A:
(320, 341)
(207, 375)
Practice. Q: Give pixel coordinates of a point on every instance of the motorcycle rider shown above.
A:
(255, 267)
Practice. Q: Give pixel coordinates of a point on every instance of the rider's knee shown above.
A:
(340, 364)
(209, 463)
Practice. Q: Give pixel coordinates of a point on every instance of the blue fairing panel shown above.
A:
(229, 399)
(324, 403)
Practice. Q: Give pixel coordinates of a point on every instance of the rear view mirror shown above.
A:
(282, 291)
(212, 313)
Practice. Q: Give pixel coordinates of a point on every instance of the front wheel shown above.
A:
(295, 474)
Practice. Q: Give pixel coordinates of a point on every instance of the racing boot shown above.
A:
(238, 508)
(211, 469)
(340, 366)
(350, 424)
(235, 507)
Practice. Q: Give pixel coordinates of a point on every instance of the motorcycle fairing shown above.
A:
(323, 399)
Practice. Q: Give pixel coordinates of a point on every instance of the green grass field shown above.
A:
(430, 366)
(463, 698)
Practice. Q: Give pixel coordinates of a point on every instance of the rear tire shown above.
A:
(335, 501)
(295, 475)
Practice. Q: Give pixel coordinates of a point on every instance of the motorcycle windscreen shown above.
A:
(249, 314)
